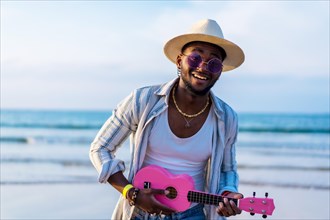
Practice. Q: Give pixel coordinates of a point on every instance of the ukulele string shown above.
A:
(202, 197)
(185, 195)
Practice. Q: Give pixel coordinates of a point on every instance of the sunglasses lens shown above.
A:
(214, 65)
(194, 60)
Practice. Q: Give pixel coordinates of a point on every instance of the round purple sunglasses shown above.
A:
(214, 65)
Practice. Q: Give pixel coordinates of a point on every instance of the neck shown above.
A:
(205, 198)
(190, 109)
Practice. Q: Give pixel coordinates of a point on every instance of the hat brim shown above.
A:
(234, 58)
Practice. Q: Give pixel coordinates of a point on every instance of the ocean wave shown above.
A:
(284, 130)
(15, 139)
(64, 162)
(51, 126)
(92, 180)
(80, 171)
(286, 185)
(46, 182)
(46, 140)
(83, 162)
(242, 128)
(283, 167)
(280, 148)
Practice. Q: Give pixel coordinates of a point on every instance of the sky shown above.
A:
(89, 55)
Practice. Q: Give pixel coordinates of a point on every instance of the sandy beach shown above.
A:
(96, 201)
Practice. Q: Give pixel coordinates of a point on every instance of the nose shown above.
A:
(203, 66)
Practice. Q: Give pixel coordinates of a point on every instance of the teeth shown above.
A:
(200, 77)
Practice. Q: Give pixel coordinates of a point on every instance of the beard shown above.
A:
(190, 88)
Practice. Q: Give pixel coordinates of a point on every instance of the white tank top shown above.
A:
(181, 155)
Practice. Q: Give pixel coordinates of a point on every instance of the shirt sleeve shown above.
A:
(229, 175)
(112, 134)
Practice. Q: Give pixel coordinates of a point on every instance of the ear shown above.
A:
(179, 61)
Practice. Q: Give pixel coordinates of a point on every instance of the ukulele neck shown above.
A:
(205, 198)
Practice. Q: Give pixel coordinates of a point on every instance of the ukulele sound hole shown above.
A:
(173, 193)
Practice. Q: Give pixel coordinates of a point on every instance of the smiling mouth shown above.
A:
(196, 75)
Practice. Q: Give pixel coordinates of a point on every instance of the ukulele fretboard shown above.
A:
(205, 198)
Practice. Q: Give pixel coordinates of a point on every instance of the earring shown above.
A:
(179, 71)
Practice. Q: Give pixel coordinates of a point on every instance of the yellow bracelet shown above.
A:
(126, 188)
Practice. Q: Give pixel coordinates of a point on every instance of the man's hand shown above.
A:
(146, 201)
(228, 208)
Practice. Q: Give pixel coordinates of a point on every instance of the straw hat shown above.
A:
(207, 31)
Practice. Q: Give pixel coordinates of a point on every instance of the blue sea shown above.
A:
(49, 147)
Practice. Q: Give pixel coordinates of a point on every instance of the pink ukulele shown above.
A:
(182, 193)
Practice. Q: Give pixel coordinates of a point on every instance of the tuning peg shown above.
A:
(266, 194)
(264, 216)
(254, 194)
(251, 213)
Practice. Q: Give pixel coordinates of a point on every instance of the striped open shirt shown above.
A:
(134, 117)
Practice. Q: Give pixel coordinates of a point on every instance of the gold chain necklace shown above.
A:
(185, 114)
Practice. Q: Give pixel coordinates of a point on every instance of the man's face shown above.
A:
(199, 80)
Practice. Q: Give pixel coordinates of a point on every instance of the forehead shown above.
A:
(202, 47)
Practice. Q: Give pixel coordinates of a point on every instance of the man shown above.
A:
(181, 126)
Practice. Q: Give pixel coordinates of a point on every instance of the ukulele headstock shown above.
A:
(264, 206)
